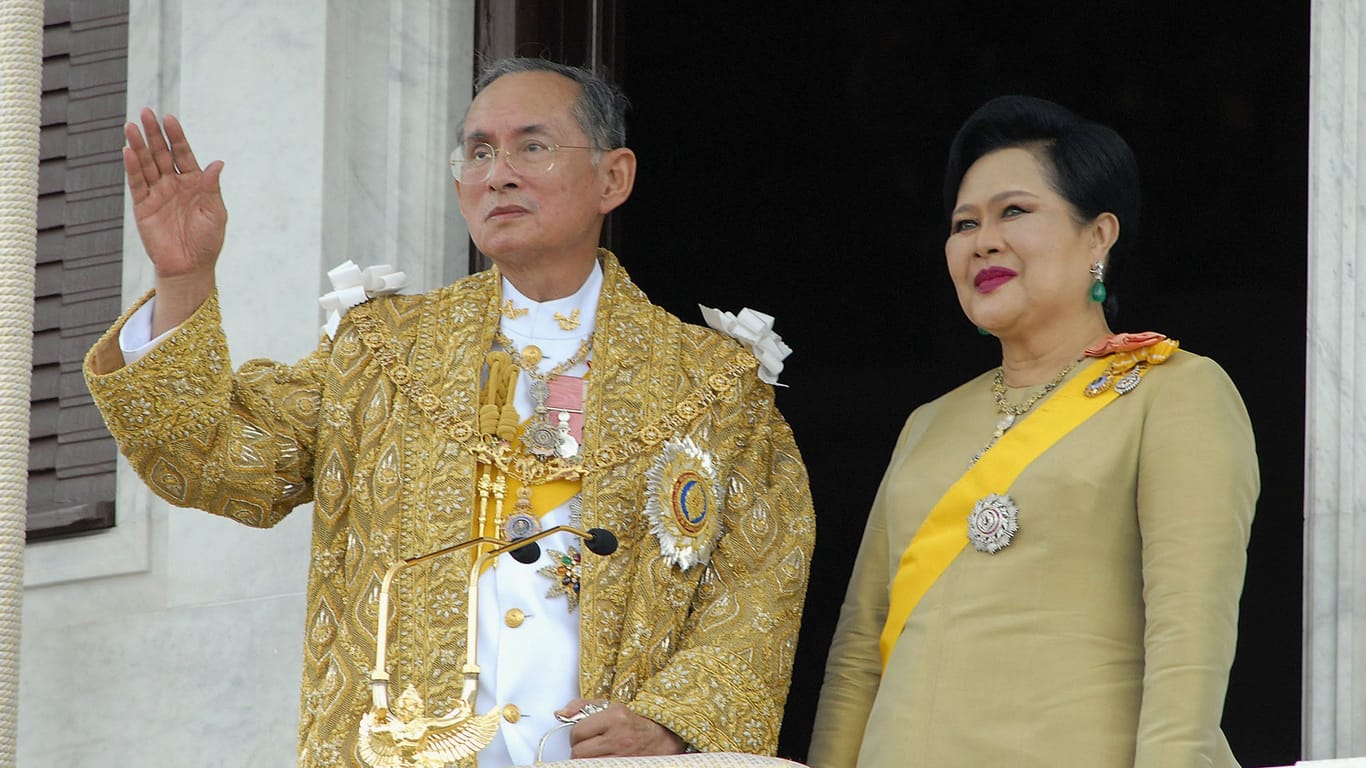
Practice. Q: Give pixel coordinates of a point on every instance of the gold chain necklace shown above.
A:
(540, 437)
(1010, 413)
(531, 370)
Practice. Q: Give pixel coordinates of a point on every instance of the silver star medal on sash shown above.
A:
(993, 523)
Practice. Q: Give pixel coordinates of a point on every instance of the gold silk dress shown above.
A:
(705, 651)
(1101, 637)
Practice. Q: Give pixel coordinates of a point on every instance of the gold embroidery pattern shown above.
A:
(512, 312)
(708, 653)
(567, 323)
(529, 469)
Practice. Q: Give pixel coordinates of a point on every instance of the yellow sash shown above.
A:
(944, 533)
(544, 497)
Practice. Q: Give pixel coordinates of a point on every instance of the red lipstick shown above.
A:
(992, 278)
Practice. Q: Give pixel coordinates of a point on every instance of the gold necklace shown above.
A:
(540, 437)
(530, 369)
(1009, 412)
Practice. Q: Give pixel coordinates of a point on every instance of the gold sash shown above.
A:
(943, 534)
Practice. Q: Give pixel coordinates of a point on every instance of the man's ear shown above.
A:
(619, 168)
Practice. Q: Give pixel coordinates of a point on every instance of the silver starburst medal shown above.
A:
(993, 523)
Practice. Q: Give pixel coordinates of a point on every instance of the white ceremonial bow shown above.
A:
(754, 330)
(353, 285)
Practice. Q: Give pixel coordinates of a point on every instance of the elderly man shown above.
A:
(547, 391)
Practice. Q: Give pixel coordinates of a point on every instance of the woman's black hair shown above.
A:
(1087, 163)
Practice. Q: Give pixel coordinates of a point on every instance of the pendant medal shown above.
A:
(520, 526)
(522, 523)
(540, 437)
(1007, 421)
(1130, 380)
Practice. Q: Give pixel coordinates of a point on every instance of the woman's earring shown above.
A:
(983, 331)
(1098, 292)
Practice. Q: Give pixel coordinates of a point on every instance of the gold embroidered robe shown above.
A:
(705, 652)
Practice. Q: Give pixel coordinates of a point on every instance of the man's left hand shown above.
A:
(618, 732)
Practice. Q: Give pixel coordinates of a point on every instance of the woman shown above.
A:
(1051, 569)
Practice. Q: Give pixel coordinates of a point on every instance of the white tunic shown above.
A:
(534, 666)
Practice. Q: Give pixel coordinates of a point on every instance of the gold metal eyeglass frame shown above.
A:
(458, 162)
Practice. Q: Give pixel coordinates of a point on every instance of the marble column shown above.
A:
(176, 637)
(1335, 418)
(399, 76)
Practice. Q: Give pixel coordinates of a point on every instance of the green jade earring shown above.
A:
(1098, 291)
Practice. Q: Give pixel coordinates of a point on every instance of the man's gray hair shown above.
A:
(600, 108)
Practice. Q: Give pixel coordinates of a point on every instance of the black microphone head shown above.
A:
(528, 553)
(604, 542)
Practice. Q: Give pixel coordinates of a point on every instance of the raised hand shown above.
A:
(180, 215)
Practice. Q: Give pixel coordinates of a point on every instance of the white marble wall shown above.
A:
(386, 168)
(176, 638)
(1335, 470)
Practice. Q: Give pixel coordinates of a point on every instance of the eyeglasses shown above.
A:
(474, 164)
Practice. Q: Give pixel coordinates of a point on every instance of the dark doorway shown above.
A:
(791, 159)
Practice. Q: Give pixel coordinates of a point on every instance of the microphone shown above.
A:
(526, 554)
(601, 541)
(525, 550)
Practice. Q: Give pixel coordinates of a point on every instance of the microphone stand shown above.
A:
(418, 738)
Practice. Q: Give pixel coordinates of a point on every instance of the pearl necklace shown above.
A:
(1011, 413)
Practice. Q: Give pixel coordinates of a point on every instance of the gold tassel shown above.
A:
(508, 420)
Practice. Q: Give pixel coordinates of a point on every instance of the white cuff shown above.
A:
(135, 338)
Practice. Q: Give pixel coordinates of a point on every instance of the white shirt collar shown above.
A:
(540, 322)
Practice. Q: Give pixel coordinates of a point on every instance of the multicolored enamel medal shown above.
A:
(564, 570)
(683, 503)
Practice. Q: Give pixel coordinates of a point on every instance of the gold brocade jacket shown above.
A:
(706, 652)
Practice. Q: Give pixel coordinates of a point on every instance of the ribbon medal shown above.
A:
(683, 503)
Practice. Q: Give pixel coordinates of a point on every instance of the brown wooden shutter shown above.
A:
(80, 236)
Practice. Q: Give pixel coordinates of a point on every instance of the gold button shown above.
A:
(511, 713)
(514, 618)
(531, 354)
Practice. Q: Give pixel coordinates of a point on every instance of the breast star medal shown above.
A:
(564, 570)
(993, 523)
(683, 503)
